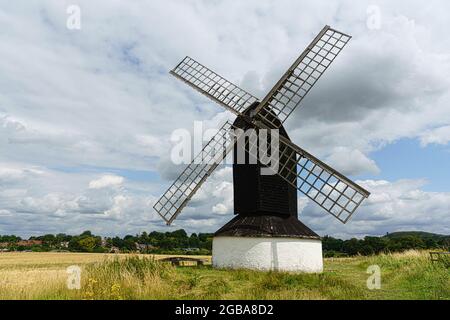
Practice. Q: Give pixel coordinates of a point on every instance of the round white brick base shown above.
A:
(282, 254)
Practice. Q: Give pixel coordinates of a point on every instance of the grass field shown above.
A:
(410, 275)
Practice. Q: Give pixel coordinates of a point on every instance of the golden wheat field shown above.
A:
(409, 275)
(36, 275)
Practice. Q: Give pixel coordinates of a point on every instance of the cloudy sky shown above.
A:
(86, 115)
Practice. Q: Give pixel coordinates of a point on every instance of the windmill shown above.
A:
(265, 233)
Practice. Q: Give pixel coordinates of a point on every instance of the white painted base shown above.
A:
(282, 254)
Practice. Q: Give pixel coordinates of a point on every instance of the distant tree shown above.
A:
(144, 238)
(411, 242)
(62, 237)
(156, 235)
(332, 244)
(108, 242)
(194, 242)
(431, 243)
(374, 245)
(129, 237)
(352, 246)
(10, 238)
(48, 239)
(167, 243)
(87, 244)
(180, 234)
(86, 233)
(118, 242)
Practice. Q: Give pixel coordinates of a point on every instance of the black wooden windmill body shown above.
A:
(266, 205)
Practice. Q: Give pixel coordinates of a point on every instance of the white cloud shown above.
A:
(10, 174)
(75, 104)
(436, 136)
(302, 203)
(352, 162)
(213, 202)
(44, 202)
(106, 181)
(387, 85)
(220, 208)
(392, 206)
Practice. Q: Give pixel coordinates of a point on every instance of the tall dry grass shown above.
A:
(410, 275)
(130, 278)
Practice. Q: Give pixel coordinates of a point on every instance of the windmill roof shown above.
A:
(266, 225)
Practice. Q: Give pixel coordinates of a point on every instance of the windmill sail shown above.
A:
(331, 190)
(290, 90)
(213, 86)
(190, 180)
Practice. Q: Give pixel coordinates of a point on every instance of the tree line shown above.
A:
(176, 242)
(179, 242)
(395, 242)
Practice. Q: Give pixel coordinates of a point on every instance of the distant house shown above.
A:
(64, 244)
(114, 250)
(29, 243)
(4, 246)
(141, 247)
